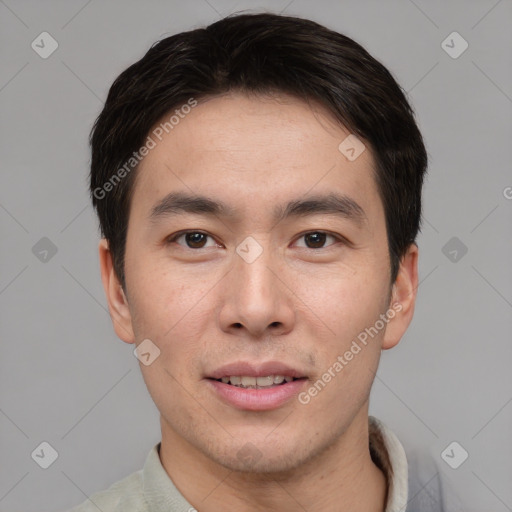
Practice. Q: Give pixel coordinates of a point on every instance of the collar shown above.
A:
(389, 455)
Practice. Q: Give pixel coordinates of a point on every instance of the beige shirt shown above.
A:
(151, 490)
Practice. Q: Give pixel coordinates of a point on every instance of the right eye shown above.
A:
(192, 239)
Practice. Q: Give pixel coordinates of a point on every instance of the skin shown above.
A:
(207, 307)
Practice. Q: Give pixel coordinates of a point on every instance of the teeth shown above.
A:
(265, 381)
(246, 381)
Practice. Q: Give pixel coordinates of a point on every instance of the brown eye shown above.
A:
(315, 240)
(193, 240)
(318, 240)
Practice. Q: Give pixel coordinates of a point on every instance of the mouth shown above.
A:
(250, 382)
(256, 386)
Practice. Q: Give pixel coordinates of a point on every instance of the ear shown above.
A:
(403, 298)
(117, 301)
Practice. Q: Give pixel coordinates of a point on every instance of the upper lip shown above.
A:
(253, 369)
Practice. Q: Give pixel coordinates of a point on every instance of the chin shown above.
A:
(249, 458)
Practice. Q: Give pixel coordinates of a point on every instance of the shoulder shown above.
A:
(429, 488)
(124, 495)
(418, 483)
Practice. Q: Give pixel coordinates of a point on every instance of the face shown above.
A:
(253, 241)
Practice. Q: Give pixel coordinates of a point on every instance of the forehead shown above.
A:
(244, 148)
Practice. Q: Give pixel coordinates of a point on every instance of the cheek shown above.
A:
(346, 302)
(169, 311)
(349, 352)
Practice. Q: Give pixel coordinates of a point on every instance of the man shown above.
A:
(258, 184)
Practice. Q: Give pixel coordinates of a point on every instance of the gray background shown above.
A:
(66, 379)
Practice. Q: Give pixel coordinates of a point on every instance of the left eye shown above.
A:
(193, 239)
(316, 239)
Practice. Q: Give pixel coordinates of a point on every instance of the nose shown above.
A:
(256, 299)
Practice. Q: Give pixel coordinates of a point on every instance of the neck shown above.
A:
(340, 479)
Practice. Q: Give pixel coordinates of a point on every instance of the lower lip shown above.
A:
(257, 399)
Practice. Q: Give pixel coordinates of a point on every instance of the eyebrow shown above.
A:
(176, 203)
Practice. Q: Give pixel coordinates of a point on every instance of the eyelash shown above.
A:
(338, 238)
